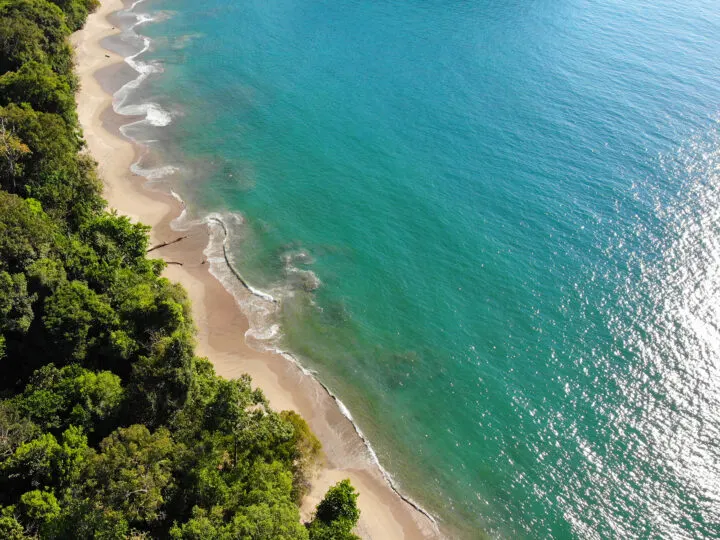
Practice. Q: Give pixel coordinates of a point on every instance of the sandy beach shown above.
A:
(220, 322)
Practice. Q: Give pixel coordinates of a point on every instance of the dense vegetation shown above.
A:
(110, 426)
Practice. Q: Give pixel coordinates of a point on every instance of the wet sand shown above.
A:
(220, 322)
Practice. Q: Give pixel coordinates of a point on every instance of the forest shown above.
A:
(110, 425)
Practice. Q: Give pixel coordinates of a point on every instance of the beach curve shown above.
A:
(386, 513)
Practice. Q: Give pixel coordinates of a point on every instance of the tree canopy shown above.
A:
(336, 514)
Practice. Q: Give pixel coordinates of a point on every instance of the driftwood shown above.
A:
(173, 262)
(163, 244)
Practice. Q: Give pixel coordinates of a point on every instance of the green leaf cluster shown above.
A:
(336, 514)
(110, 425)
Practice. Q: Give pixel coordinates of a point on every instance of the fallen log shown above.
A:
(163, 244)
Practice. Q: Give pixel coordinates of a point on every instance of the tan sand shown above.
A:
(220, 322)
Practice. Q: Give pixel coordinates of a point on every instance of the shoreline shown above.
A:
(385, 513)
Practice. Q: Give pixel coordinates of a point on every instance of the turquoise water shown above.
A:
(494, 228)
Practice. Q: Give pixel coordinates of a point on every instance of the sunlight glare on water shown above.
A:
(669, 315)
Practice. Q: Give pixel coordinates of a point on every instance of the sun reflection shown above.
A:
(673, 395)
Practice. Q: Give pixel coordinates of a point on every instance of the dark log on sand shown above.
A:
(158, 246)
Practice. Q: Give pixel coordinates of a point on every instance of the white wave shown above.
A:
(264, 334)
(179, 222)
(154, 173)
(217, 219)
(302, 256)
(143, 18)
(177, 197)
(153, 113)
(156, 116)
(371, 451)
(307, 279)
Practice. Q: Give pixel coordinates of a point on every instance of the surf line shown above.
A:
(386, 475)
(151, 113)
(343, 409)
(236, 273)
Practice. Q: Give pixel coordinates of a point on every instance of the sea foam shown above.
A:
(153, 114)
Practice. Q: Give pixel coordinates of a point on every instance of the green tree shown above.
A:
(44, 462)
(336, 515)
(78, 321)
(255, 504)
(53, 172)
(15, 429)
(199, 527)
(38, 85)
(226, 408)
(32, 465)
(45, 275)
(56, 398)
(10, 527)
(12, 153)
(132, 473)
(16, 312)
(116, 238)
(21, 40)
(267, 522)
(73, 456)
(76, 11)
(33, 30)
(161, 381)
(303, 451)
(39, 510)
(83, 519)
(26, 233)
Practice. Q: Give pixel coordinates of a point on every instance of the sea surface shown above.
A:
(492, 228)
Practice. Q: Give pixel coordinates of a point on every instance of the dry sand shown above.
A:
(220, 322)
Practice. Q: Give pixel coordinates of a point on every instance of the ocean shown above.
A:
(492, 229)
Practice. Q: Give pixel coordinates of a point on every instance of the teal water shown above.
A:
(494, 228)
